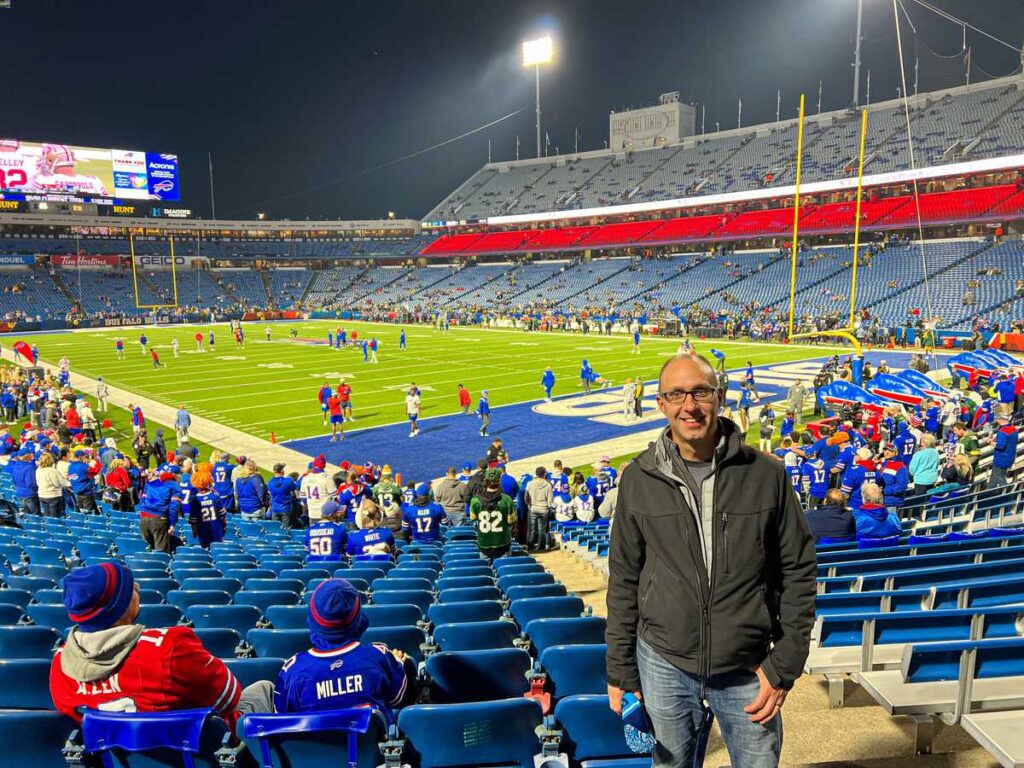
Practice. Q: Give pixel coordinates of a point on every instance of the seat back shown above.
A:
(393, 615)
(278, 643)
(509, 726)
(391, 584)
(408, 639)
(50, 615)
(240, 618)
(575, 669)
(468, 594)
(34, 738)
(525, 611)
(183, 598)
(25, 684)
(28, 642)
(277, 584)
(524, 580)
(262, 600)
(462, 582)
(219, 642)
(159, 615)
(223, 584)
(487, 675)
(581, 630)
(315, 739)
(421, 598)
(249, 671)
(591, 731)
(188, 736)
(476, 635)
(456, 613)
(287, 616)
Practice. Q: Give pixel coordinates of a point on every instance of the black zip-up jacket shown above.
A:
(714, 584)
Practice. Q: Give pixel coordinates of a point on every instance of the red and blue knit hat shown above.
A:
(97, 596)
(335, 615)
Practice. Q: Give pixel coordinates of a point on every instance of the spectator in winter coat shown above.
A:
(281, 489)
(51, 486)
(873, 520)
(832, 519)
(251, 492)
(451, 494)
(118, 480)
(23, 474)
(159, 448)
(924, 465)
(1004, 451)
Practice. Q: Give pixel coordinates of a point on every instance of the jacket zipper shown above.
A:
(706, 659)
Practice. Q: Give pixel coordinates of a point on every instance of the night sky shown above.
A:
(298, 100)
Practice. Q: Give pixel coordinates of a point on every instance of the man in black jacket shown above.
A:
(711, 587)
(832, 520)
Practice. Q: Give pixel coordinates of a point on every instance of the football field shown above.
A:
(271, 386)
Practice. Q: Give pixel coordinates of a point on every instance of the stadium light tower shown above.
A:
(535, 53)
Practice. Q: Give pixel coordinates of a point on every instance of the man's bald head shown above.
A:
(697, 361)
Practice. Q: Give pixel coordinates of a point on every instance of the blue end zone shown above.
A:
(529, 429)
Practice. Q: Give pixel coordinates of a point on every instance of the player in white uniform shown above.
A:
(56, 173)
(412, 410)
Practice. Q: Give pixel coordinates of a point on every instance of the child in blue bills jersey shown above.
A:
(327, 538)
(339, 672)
(204, 508)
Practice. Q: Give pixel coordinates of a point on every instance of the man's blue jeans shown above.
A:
(674, 702)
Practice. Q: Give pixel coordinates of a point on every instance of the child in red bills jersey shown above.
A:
(109, 662)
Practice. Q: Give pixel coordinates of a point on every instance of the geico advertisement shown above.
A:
(164, 262)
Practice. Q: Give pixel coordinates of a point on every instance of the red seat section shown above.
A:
(554, 239)
(499, 242)
(451, 243)
(1011, 206)
(625, 233)
(774, 221)
(687, 228)
(838, 217)
(959, 205)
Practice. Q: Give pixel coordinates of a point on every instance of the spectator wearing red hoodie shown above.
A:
(464, 399)
(73, 421)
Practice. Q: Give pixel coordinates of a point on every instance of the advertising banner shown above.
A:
(86, 261)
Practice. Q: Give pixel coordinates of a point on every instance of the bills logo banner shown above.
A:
(162, 174)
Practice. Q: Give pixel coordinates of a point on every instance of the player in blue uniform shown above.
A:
(327, 538)
(322, 396)
(548, 382)
(423, 518)
(330, 338)
(366, 351)
(401, 339)
(373, 349)
(339, 672)
(636, 339)
(720, 357)
(342, 338)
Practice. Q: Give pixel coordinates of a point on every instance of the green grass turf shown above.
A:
(271, 386)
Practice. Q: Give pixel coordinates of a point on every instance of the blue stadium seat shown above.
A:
(53, 615)
(161, 559)
(408, 639)
(508, 581)
(163, 586)
(574, 669)
(249, 671)
(225, 584)
(544, 590)
(25, 684)
(183, 598)
(518, 569)
(155, 738)
(419, 557)
(159, 615)
(10, 614)
(305, 575)
(29, 583)
(244, 574)
(240, 618)
(512, 560)
(362, 572)
(34, 738)
(421, 598)
(219, 642)
(392, 615)
(475, 636)
(278, 643)
(463, 676)
(27, 642)
(55, 573)
(38, 555)
(592, 734)
(315, 739)
(454, 613)
(525, 611)
(580, 630)
(287, 616)
(18, 597)
(468, 594)
(414, 572)
(510, 726)
(362, 585)
(462, 571)
(276, 584)
(50, 596)
(266, 598)
(391, 584)
(149, 573)
(463, 582)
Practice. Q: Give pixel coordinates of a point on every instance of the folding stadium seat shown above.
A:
(18, 597)
(278, 643)
(461, 534)
(390, 584)
(544, 590)
(510, 726)
(249, 671)
(337, 568)
(524, 580)
(462, 571)
(183, 598)
(305, 575)
(276, 585)
(92, 550)
(412, 548)
(44, 555)
(220, 642)
(162, 586)
(592, 734)
(51, 615)
(244, 574)
(10, 614)
(469, 593)
(11, 554)
(519, 569)
(362, 585)
(455, 613)
(461, 582)
(525, 611)
(25, 684)
(265, 598)
(419, 557)
(55, 573)
(182, 571)
(408, 639)
(581, 630)
(461, 676)
(161, 738)
(34, 738)
(574, 669)
(392, 615)
(223, 584)
(360, 572)
(466, 558)
(159, 615)
(509, 560)
(377, 558)
(475, 636)
(421, 598)
(150, 597)
(149, 573)
(240, 618)
(287, 616)
(312, 739)
(28, 642)
(130, 545)
(218, 547)
(28, 583)
(50, 596)
(413, 572)
(161, 559)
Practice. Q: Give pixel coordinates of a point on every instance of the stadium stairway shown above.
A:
(62, 287)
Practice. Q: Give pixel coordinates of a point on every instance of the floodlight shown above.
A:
(539, 51)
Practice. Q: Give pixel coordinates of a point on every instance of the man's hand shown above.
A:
(615, 698)
(399, 654)
(768, 702)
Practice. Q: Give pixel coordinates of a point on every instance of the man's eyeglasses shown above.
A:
(678, 396)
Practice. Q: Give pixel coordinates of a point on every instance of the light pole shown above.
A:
(535, 53)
